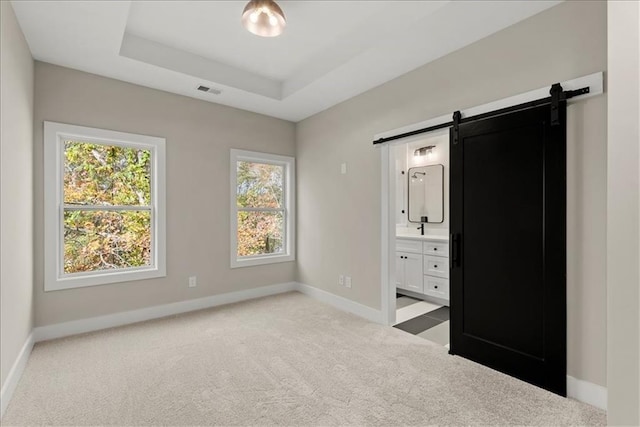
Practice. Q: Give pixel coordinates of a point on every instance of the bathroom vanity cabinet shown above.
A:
(422, 265)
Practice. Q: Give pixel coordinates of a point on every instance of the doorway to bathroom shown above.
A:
(421, 208)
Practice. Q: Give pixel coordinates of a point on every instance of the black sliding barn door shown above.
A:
(508, 285)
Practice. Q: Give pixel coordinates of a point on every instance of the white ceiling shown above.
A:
(330, 50)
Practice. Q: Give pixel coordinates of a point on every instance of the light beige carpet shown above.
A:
(287, 360)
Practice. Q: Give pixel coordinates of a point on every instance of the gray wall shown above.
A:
(339, 215)
(199, 135)
(623, 215)
(16, 182)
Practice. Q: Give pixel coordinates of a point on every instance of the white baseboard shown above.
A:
(586, 392)
(577, 389)
(341, 303)
(581, 390)
(59, 330)
(15, 374)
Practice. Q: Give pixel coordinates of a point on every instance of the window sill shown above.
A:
(261, 260)
(71, 282)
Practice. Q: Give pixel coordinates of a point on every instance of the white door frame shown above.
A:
(388, 188)
(387, 232)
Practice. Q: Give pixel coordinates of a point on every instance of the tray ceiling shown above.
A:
(330, 50)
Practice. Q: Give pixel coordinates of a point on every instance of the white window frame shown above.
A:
(54, 136)
(289, 165)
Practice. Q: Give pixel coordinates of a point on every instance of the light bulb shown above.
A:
(263, 18)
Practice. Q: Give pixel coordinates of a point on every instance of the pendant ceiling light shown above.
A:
(263, 18)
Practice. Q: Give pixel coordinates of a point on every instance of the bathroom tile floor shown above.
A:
(414, 310)
(424, 319)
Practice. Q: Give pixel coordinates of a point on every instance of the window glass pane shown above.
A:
(260, 233)
(96, 174)
(260, 185)
(106, 240)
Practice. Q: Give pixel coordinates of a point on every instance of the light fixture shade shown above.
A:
(424, 150)
(263, 18)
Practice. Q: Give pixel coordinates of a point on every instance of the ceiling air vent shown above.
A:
(209, 90)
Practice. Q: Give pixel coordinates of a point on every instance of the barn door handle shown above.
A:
(454, 250)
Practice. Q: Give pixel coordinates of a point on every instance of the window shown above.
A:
(262, 208)
(104, 206)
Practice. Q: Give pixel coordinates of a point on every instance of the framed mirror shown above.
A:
(426, 194)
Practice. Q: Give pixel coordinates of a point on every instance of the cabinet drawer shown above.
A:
(436, 286)
(436, 266)
(413, 246)
(436, 249)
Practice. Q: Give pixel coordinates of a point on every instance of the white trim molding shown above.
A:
(74, 327)
(341, 303)
(10, 384)
(55, 135)
(288, 209)
(387, 235)
(586, 392)
(58, 330)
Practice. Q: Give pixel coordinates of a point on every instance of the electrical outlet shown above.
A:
(193, 282)
(341, 280)
(347, 281)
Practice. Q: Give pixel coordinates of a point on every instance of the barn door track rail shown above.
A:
(557, 95)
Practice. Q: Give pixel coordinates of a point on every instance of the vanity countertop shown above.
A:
(437, 237)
